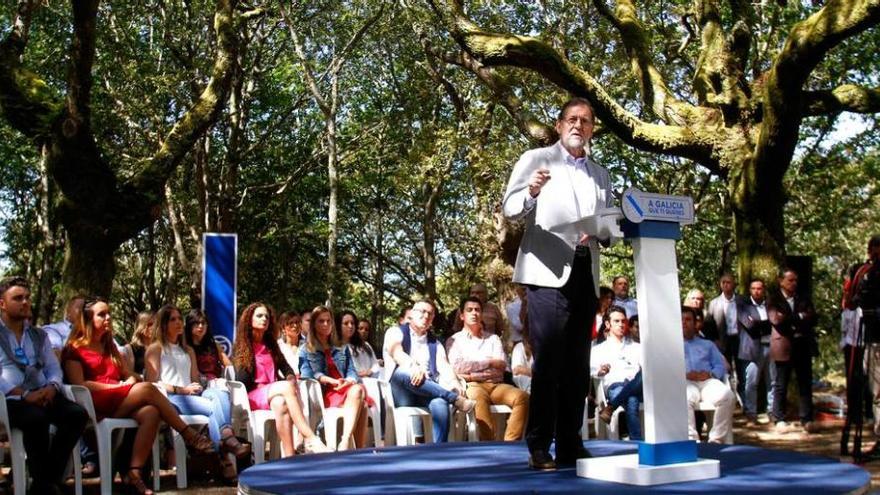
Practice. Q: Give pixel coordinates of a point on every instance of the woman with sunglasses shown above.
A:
(92, 360)
(210, 358)
(269, 380)
(171, 364)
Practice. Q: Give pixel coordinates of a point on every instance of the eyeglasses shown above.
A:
(573, 121)
(428, 312)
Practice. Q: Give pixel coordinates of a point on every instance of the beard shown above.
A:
(575, 142)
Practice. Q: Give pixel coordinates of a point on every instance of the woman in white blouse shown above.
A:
(289, 340)
(365, 361)
(171, 364)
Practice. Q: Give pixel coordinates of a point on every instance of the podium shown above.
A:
(652, 223)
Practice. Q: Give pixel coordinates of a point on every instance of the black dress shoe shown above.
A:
(541, 460)
(570, 457)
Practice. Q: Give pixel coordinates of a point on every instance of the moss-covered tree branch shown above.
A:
(652, 85)
(202, 114)
(844, 98)
(27, 103)
(496, 49)
(783, 98)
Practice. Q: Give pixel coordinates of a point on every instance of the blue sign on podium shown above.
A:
(220, 286)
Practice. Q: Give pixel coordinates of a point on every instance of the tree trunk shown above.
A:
(44, 299)
(89, 265)
(332, 206)
(758, 206)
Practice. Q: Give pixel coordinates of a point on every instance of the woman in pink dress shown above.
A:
(92, 360)
(269, 380)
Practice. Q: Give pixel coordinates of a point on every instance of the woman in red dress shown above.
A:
(326, 359)
(91, 359)
(269, 380)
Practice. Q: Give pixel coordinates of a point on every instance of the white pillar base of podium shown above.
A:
(626, 469)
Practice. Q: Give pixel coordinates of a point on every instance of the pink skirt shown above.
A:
(259, 397)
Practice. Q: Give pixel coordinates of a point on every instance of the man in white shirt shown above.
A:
(60, 330)
(420, 374)
(722, 313)
(478, 359)
(30, 378)
(620, 286)
(552, 189)
(617, 361)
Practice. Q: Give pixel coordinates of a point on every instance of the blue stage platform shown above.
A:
(501, 468)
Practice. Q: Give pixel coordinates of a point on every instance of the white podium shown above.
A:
(652, 223)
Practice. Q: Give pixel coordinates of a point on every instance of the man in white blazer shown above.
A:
(552, 189)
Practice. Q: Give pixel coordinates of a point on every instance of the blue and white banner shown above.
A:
(220, 286)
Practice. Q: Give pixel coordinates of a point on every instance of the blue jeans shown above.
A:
(754, 371)
(213, 403)
(430, 394)
(628, 394)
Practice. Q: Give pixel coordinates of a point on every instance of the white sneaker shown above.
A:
(464, 404)
(314, 445)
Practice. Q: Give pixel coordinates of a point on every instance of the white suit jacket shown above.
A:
(546, 251)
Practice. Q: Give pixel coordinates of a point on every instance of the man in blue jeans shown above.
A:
(617, 361)
(420, 373)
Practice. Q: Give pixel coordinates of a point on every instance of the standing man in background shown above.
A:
(551, 189)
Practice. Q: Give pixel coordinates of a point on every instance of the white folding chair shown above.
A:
(16, 451)
(260, 424)
(104, 430)
(398, 420)
(332, 415)
(611, 431)
(708, 409)
(180, 444)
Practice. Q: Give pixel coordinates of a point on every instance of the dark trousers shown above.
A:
(731, 353)
(46, 461)
(802, 363)
(559, 328)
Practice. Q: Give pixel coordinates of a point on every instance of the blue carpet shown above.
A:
(501, 468)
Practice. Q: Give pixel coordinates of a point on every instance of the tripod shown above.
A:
(855, 398)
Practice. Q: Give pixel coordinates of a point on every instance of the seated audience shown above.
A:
(140, 340)
(91, 359)
(326, 359)
(617, 363)
(210, 358)
(634, 329)
(522, 360)
(269, 380)
(705, 370)
(30, 378)
(290, 339)
(60, 330)
(362, 352)
(419, 372)
(606, 295)
(172, 365)
(478, 359)
(365, 330)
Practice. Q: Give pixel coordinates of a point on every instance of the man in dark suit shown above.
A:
(792, 340)
(754, 347)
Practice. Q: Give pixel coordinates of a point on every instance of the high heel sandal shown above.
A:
(228, 470)
(135, 482)
(232, 446)
(197, 441)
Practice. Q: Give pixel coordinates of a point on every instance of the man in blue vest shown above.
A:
(30, 378)
(420, 373)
